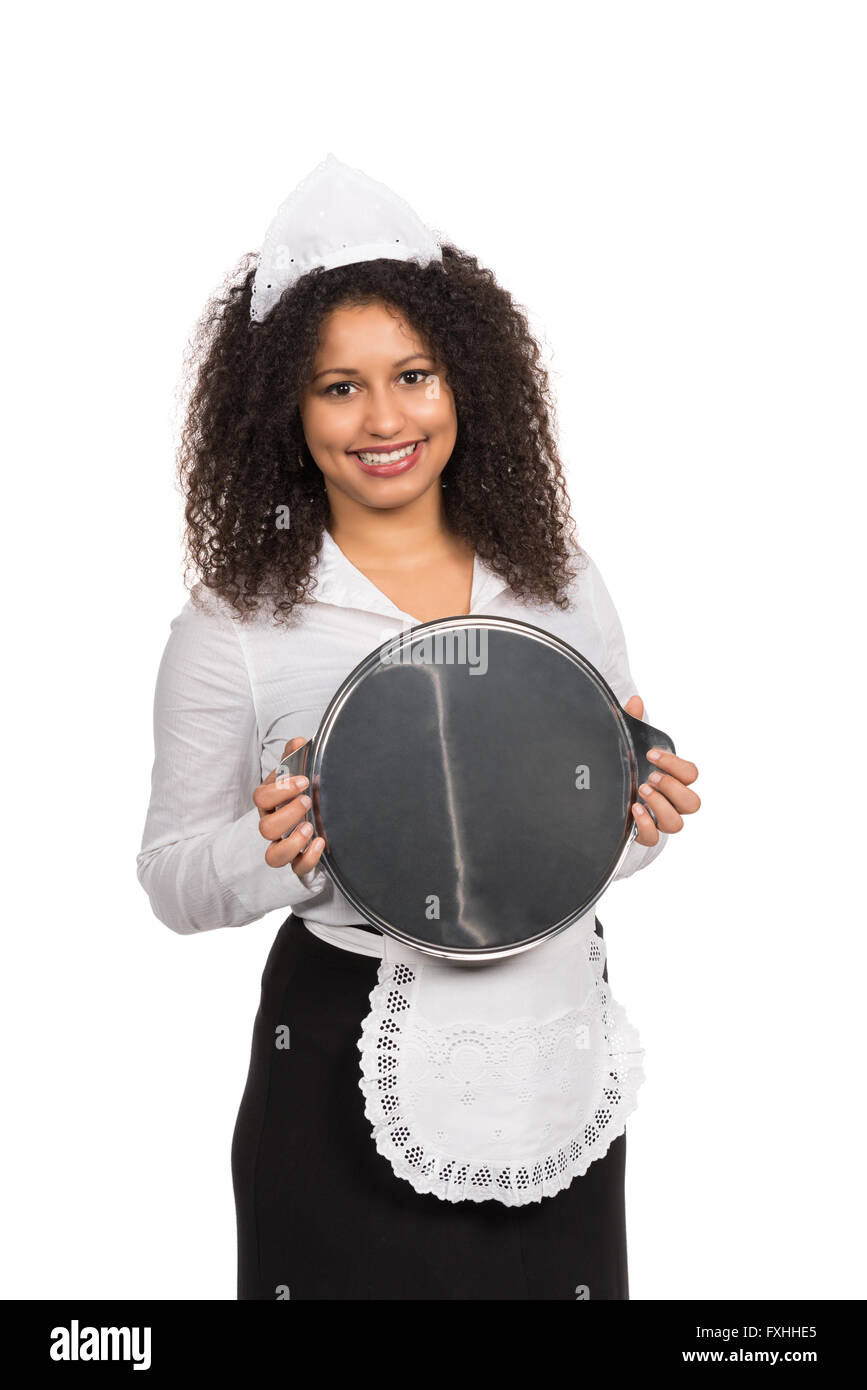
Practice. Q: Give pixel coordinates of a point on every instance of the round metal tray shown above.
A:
(473, 781)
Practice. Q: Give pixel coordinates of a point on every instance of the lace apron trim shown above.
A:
(498, 1081)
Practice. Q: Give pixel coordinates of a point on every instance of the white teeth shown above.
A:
(388, 458)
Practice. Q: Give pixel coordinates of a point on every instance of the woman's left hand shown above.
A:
(667, 791)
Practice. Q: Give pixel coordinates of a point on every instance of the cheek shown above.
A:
(327, 428)
(437, 414)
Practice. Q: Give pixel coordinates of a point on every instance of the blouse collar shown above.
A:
(338, 581)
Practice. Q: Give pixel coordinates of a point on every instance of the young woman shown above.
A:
(375, 452)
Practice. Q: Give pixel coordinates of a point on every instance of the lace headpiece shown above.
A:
(336, 216)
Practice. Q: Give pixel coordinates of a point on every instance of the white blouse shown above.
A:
(230, 694)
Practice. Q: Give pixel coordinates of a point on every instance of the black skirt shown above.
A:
(321, 1214)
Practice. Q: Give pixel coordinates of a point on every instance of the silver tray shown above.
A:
(473, 782)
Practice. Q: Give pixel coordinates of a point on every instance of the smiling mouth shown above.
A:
(387, 454)
(390, 460)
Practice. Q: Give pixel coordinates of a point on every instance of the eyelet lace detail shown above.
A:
(536, 1102)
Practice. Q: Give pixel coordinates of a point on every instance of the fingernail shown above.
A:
(654, 754)
(645, 789)
(306, 828)
(318, 844)
(639, 810)
(300, 783)
(304, 801)
(655, 777)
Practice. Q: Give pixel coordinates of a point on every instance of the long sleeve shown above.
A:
(619, 677)
(202, 859)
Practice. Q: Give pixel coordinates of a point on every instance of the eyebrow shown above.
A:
(354, 371)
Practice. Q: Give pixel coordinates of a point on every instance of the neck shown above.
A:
(389, 536)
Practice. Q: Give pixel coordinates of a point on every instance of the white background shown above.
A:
(675, 191)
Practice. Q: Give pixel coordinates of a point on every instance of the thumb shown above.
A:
(292, 745)
(635, 706)
(290, 748)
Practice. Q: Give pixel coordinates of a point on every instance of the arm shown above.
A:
(202, 859)
(619, 677)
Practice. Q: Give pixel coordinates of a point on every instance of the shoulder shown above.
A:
(204, 605)
(203, 613)
(591, 607)
(206, 609)
(204, 634)
(585, 584)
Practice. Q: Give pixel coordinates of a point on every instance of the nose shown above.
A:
(383, 417)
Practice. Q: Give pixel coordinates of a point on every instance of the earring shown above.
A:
(300, 461)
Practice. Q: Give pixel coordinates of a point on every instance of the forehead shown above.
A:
(368, 330)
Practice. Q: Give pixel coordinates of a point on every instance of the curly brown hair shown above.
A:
(242, 441)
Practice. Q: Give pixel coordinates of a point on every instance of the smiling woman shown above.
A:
(384, 392)
(349, 362)
(382, 433)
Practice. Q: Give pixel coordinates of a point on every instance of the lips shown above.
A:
(385, 448)
(388, 470)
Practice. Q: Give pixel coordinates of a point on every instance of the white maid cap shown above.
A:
(336, 216)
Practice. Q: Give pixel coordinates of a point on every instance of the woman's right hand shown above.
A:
(293, 803)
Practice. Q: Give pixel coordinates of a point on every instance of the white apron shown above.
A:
(501, 1079)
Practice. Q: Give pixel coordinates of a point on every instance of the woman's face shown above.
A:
(378, 414)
